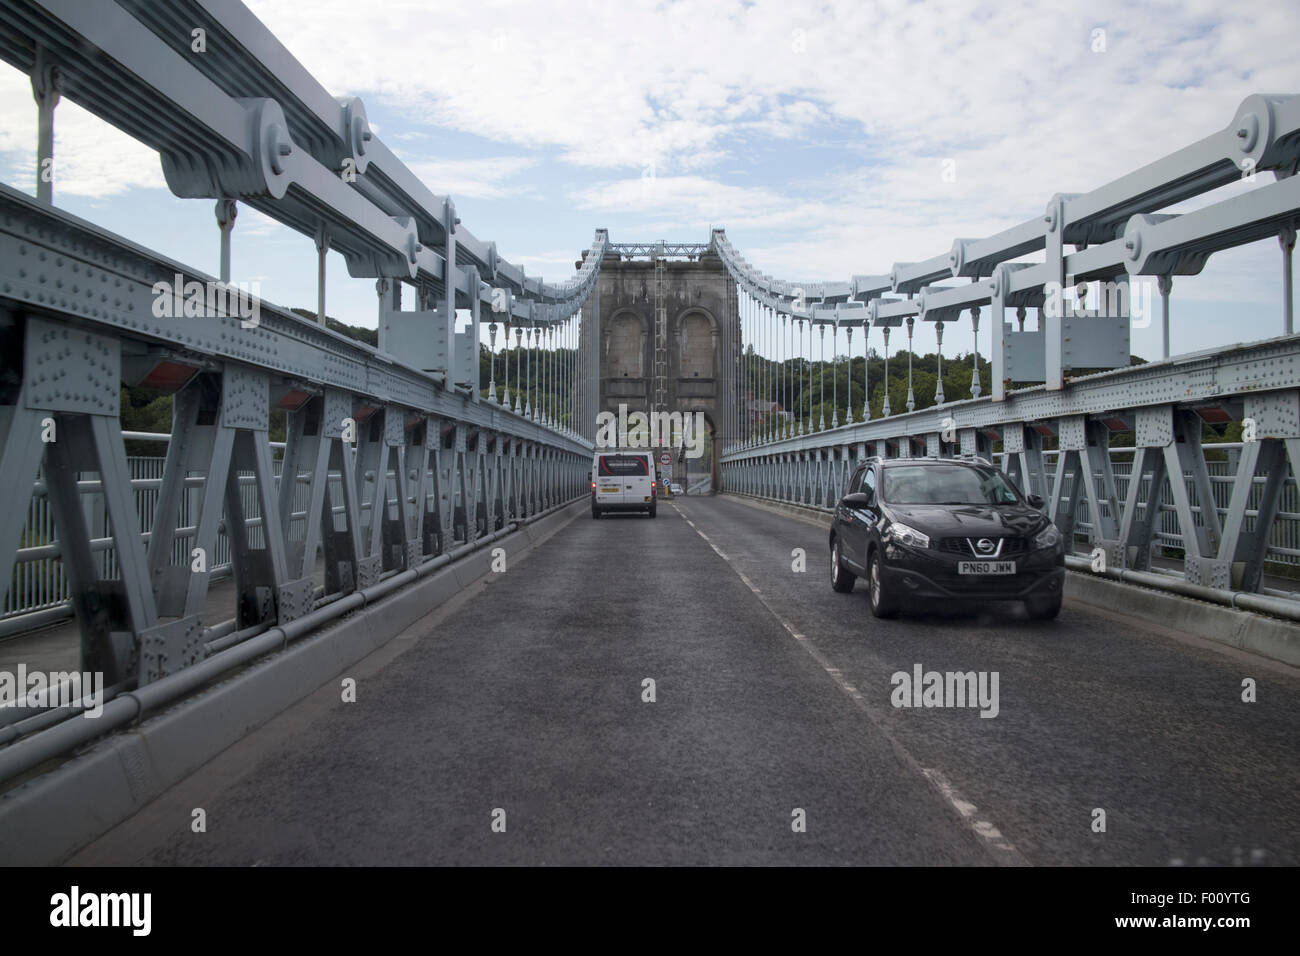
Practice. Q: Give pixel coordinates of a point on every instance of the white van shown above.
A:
(623, 481)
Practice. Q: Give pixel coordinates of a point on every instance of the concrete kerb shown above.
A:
(1245, 630)
(47, 818)
(804, 512)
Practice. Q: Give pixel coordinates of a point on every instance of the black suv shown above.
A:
(945, 529)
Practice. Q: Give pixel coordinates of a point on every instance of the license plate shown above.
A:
(609, 491)
(986, 567)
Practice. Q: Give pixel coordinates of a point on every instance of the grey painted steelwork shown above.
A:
(78, 322)
(1117, 231)
(246, 121)
(1164, 404)
(661, 250)
(391, 462)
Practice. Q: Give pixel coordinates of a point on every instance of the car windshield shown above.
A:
(946, 485)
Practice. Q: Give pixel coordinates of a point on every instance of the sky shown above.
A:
(828, 138)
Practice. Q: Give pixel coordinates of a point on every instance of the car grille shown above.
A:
(966, 547)
(992, 587)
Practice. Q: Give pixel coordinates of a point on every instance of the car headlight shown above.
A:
(909, 536)
(1049, 537)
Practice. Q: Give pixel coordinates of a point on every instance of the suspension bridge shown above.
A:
(343, 607)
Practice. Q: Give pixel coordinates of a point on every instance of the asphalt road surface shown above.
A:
(772, 736)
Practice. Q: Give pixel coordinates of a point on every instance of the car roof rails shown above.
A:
(964, 459)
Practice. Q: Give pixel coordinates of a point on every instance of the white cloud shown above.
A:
(552, 262)
(628, 83)
(253, 222)
(91, 157)
(1012, 91)
(488, 178)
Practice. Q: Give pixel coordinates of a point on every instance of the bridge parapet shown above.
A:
(391, 461)
(1228, 509)
(383, 466)
(1223, 531)
(1118, 233)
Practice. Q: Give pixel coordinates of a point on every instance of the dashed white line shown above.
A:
(990, 837)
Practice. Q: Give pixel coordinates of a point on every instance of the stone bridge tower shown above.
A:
(665, 323)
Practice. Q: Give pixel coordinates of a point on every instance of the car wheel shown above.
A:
(595, 512)
(653, 512)
(883, 604)
(841, 579)
(1045, 609)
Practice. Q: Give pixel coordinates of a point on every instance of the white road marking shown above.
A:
(990, 837)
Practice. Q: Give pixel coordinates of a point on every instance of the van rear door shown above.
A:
(636, 490)
(609, 484)
(619, 478)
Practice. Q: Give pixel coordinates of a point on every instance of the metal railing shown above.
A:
(39, 583)
(1283, 533)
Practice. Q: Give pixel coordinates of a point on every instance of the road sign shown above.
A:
(665, 458)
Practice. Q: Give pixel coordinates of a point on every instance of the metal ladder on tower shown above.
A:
(661, 337)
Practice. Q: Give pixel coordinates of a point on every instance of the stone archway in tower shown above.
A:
(703, 475)
(624, 345)
(624, 361)
(695, 340)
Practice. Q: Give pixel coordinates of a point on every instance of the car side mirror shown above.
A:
(1035, 501)
(857, 499)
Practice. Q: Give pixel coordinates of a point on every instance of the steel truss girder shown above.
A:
(148, 620)
(422, 463)
(652, 250)
(220, 430)
(221, 132)
(1085, 451)
(64, 411)
(55, 263)
(1225, 552)
(1271, 365)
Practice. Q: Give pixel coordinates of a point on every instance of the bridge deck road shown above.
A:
(772, 693)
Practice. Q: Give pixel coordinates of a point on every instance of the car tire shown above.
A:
(1045, 609)
(653, 512)
(841, 578)
(883, 604)
(595, 512)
